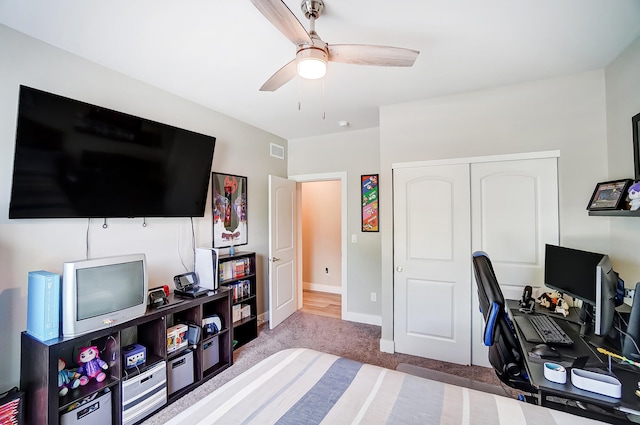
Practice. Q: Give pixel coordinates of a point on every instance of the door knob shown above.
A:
(399, 269)
(274, 259)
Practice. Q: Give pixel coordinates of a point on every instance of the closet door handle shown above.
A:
(399, 269)
(274, 259)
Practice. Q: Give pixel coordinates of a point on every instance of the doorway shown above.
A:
(322, 304)
(321, 223)
(321, 228)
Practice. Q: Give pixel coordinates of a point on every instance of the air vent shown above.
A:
(277, 151)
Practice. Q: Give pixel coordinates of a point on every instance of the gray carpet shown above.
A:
(436, 375)
(351, 340)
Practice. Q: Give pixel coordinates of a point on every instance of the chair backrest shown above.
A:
(504, 351)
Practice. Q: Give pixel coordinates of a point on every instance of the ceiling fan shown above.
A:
(312, 54)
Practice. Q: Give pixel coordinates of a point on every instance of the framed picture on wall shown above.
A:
(369, 191)
(609, 195)
(229, 204)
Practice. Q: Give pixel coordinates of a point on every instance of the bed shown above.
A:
(302, 386)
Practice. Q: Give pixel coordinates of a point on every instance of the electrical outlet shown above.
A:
(373, 296)
(354, 238)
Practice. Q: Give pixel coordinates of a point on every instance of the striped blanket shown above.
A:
(301, 386)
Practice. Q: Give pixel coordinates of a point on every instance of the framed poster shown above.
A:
(369, 187)
(609, 195)
(229, 204)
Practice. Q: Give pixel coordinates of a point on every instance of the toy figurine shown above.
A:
(66, 378)
(634, 196)
(562, 307)
(547, 300)
(554, 302)
(91, 366)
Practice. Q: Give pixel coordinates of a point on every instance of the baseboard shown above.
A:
(321, 288)
(387, 346)
(263, 318)
(368, 319)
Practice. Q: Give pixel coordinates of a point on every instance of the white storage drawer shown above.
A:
(144, 394)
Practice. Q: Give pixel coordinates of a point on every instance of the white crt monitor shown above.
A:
(102, 292)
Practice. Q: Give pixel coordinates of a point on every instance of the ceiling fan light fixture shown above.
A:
(312, 63)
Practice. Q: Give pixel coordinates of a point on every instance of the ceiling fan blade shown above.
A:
(282, 76)
(284, 20)
(362, 54)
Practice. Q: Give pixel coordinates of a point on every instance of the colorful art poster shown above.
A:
(369, 203)
(229, 203)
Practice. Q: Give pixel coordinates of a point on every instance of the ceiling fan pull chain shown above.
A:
(324, 113)
(299, 91)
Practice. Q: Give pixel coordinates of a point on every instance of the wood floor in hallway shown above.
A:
(322, 303)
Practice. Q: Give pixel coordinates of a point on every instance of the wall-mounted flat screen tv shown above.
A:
(77, 160)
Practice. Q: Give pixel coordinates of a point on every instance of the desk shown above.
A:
(566, 397)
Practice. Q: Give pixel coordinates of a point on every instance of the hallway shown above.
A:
(322, 303)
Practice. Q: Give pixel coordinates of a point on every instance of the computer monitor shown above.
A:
(571, 272)
(587, 276)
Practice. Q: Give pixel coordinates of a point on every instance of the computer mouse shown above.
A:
(543, 350)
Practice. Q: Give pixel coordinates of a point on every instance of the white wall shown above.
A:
(623, 102)
(45, 244)
(321, 236)
(356, 153)
(566, 114)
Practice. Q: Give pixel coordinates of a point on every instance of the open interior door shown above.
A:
(282, 250)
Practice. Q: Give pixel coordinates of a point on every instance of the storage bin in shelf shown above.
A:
(74, 395)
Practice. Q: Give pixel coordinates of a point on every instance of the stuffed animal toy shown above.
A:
(91, 366)
(634, 196)
(66, 379)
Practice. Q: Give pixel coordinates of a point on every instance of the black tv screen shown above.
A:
(77, 160)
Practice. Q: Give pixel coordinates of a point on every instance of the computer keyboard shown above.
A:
(541, 328)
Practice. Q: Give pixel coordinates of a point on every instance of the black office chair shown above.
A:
(499, 335)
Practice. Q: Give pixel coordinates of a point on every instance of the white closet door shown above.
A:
(514, 207)
(432, 259)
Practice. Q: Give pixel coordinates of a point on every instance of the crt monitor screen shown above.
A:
(109, 288)
(571, 271)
